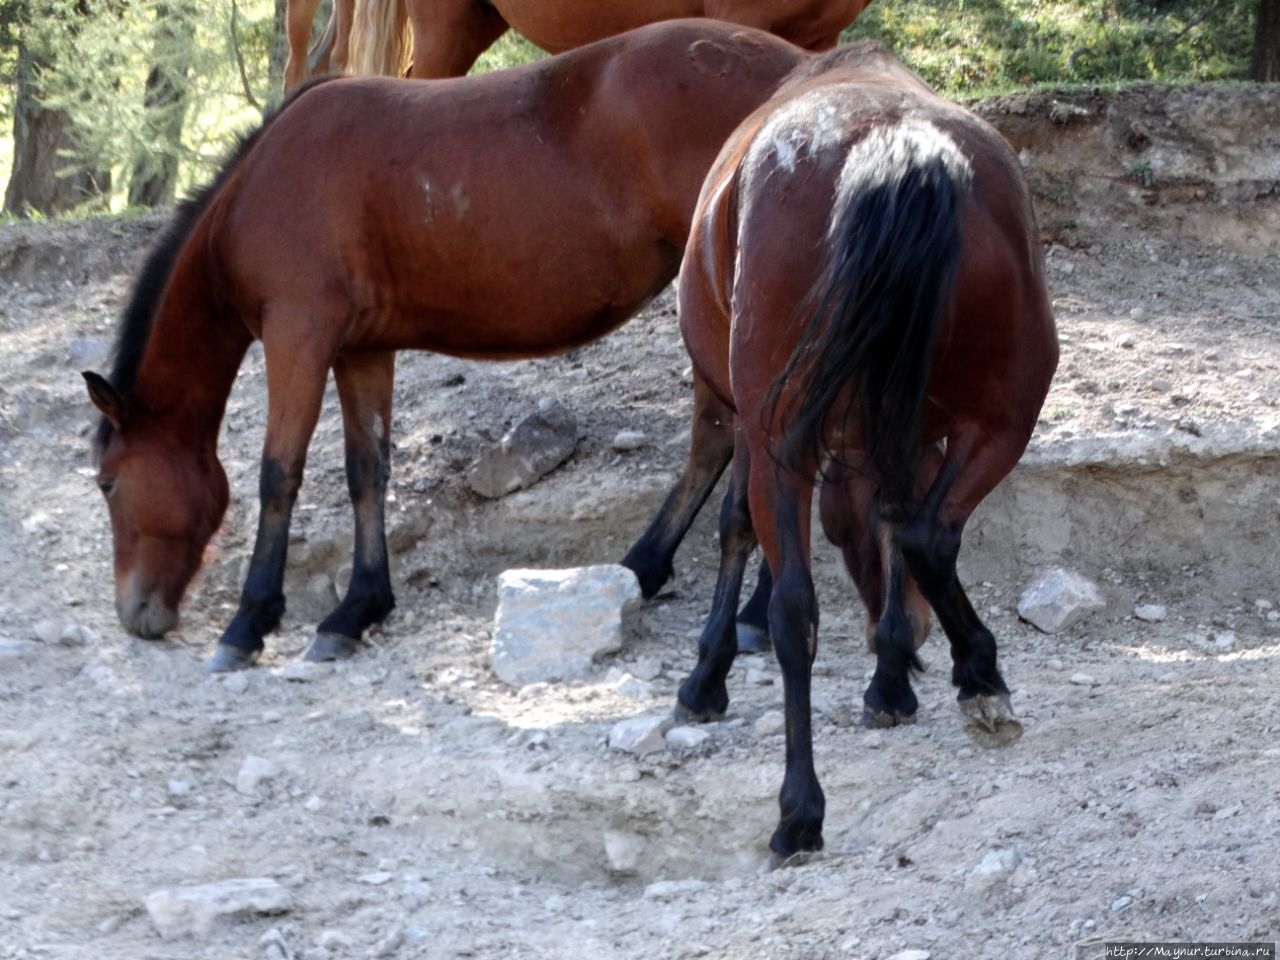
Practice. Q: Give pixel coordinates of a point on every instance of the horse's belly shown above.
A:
(559, 25)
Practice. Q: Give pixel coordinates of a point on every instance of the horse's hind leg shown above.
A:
(364, 384)
(299, 15)
(780, 508)
(297, 367)
(704, 695)
(974, 463)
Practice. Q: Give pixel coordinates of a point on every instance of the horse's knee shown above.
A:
(931, 550)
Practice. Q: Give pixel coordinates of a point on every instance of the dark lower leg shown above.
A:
(364, 387)
(704, 694)
(711, 447)
(889, 699)
(753, 619)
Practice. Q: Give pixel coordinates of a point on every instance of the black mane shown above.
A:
(139, 314)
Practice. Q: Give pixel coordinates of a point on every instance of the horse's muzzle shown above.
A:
(145, 614)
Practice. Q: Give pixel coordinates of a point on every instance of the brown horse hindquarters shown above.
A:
(871, 253)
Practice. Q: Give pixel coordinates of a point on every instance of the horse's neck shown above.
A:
(193, 353)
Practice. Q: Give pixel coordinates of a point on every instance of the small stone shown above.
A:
(313, 804)
(770, 723)
(1120, 903)
(1224, 639)
(911, 954)
(993, 870)
(1138, 313)
(1125, 341)
(303, 671)
(377, 878)
(759, 678)
(622, 850)
(632, 688)
(1083, 680)
(671, 889)
(687, 738)
(47, 631)
(1058, 600)
(1226, 813)
(253, 773)
(531, 450)
(1151, 612)
(1263, 605)
(1055, 664)
(192, 911)
(640, 735)
(235, 683)
(74, 635)
(627, 440)
(179, 788)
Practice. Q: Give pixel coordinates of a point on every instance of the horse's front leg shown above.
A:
(298, 17)
(297, 367)
(364, 386)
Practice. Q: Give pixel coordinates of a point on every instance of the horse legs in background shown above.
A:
(298, 18)
(975, 462)
(704, 695)
(450, 35)
(297, 368)
(364, 384)
(651, 556)
(897, 612)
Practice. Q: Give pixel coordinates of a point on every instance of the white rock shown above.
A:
(1120, 903)
(759, 678)
(687, 738)
(236, 683)
(551, 625)
(253, 772)
(770, 723)
(1083, 680)
(1224, 639)
(911, 954)
(1138, 313)
(629, 440)
(48, 631)
(993, 870)
(1058, 600)
(623, 850)
(313, 804)
(377, 878)
(632, 688)
(640, 735)
(179, 788)
(1151, 612)
(670, 889)
(74, 635)
(192, 911)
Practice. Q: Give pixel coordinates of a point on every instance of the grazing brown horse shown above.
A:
(863, 287)
(515, 214)
(443, 38)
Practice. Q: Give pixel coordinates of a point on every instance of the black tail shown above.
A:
(894, 247)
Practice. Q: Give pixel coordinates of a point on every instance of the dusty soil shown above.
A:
(415, 810)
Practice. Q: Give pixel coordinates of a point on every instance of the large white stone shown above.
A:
(192, 911)
(551, 625)
(641, 735)
(1058, 600)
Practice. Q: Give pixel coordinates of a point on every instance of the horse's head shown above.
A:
(166, 497)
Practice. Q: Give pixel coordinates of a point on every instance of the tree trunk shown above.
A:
(155, 176)
(48, 177)
(279, 51)
(1265, 66)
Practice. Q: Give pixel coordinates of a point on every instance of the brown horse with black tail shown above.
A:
(864, 301)
(513, 214)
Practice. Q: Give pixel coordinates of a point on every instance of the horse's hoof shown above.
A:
(332, 646)
(751, 639)
(684, 715)
(989, 720)
(873, 719)
(228, 659)
(778, 862)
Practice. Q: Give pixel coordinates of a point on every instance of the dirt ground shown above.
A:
(413, 806)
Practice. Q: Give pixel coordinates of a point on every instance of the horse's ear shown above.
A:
(106, 398)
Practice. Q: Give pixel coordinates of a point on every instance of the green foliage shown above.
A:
(511, 50)
(976, 46)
